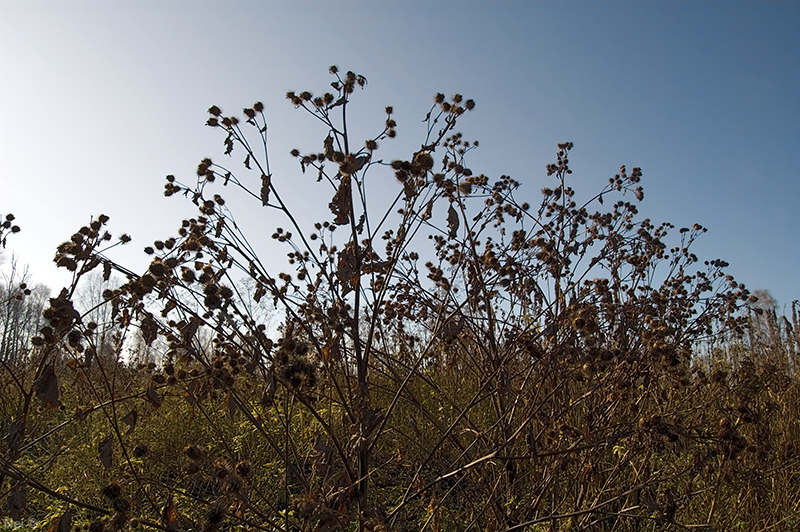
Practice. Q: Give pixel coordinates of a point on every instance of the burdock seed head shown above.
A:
(112, 491)
(193, 452)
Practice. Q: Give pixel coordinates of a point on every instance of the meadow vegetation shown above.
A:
(459, 360)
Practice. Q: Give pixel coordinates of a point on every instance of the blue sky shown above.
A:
(102, 99)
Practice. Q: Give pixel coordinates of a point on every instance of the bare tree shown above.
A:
(20, 312)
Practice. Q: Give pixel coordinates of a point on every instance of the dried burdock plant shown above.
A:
(463, 358)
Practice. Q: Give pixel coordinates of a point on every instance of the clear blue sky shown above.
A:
(102, 99)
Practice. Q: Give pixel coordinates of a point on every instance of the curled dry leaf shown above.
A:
(46, 387)
(265, 184)
(347, 268)
(340, 205)
(104, 449)
(452, 222)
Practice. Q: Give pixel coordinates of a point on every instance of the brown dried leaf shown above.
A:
(232, 405)
(89, 356)
(259, 293)
(16, 502)
(169, 514)
(428, 210)
(152, 396)
(15, 433)
(188, 330)
(130, 419)
(61, 524)
(104, 449)
(340, 205)
(268, 396)
(369, 419)
(46, 387)
(328, 147)
(149, 329)
(347, 268)
(452, 221)
(452, 328)
(265, 184)
(353, 164)
(229, 144)
(106, 271)
(169, 306)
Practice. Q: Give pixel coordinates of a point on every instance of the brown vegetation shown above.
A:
(462, 360)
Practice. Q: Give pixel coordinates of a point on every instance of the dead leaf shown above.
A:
(149, 329)
(152, 396)
(260, 291)
(324, 454)
(347, 268)
(452, 221)
(369, 419)
(130, 419)
(452, 328)
(169, 514)
(428, 210)
(331, 351)
(104, 449)
(229, 144)
(353, 164)
(247, 161)
(61, 524)
(106, 271)
(46, 387)
(265, 184)
(188, 330)
(340, 204)
(232, 405)
(88, 356)
(169, 306)
(268, 396)
(16, 502)
(15, 433)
